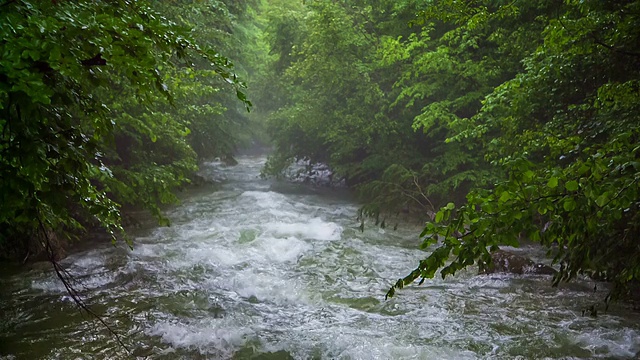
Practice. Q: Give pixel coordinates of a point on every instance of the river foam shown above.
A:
(211, 336)
(269, 268)
(315, 229)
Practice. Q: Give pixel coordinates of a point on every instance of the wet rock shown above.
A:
(216, 311)
(142, 351)
(253, 355)
(229, 160)
(506, 262)
(277, 355)
(319, 175)
(199, 180)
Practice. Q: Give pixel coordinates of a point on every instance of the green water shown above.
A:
(263, 270)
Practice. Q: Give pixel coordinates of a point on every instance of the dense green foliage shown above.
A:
(376, 99)
(565, 132)
(107, 103)
(495, 120)
(499, 120)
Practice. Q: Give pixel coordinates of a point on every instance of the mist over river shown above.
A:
(260, 269)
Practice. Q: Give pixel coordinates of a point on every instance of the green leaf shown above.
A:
(569, 204)
(542, 209)
(528, 175)
(602, 199)
(552, 183)
(571, 185)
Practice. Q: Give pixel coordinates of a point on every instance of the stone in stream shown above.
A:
(250, 354)
(142, 351)
(506, 262)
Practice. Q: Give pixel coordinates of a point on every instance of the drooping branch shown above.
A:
(66, 278)
(613, 48)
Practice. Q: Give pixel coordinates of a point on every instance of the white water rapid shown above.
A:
(258, 269)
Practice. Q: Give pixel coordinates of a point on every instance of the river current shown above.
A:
(259, 269)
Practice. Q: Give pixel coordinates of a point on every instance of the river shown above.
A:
(257, 269)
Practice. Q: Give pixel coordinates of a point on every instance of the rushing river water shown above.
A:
(265, 270)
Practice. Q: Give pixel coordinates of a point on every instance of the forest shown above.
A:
(494, 120)
(108, 105)
(493, 123)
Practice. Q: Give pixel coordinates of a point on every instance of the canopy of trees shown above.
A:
(105, 104)
(500, 120)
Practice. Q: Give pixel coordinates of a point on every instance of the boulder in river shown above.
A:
(507, 262)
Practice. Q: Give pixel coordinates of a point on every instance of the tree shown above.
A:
(65, 71)
(564, 131)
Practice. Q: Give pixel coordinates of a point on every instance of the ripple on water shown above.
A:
(246, 271)
(264, 199)
(218, 337)
(278, 250)
(315, 228)
(259, 286)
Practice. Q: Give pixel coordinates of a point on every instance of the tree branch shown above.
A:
(66, 280)
(613, 48)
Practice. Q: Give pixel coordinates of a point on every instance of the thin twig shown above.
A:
(415, 181)
(66, 279)
(404, 192)
(613, 48)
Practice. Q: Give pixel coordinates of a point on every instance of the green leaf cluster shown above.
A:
(351, 92)
(105, 104)
(564, 130)
(523, 113)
